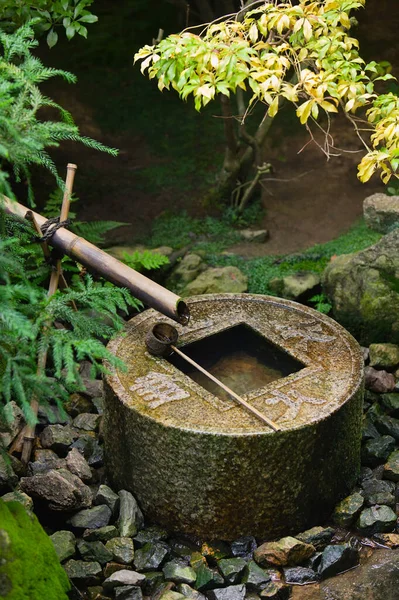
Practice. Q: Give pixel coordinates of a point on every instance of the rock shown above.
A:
(113, 567)
(390, 402)
(276, 590)
(188, 269)
(285, 552)
(381, 212)
(388, 426)
(189, 592)
(123, 577)
(64, 543)
(171, 595)
(122, 549)
(150, 534)
(18, 496)
(294, 286)
(259, 236)
(362, 288)
(59, 490)
(197, 559)
(244, 547)
(369, 431)
(154, 580)
(375, 452)
(51, 414)
(208, 579)
(388, 539)
(58, 438)
(91, 518)
(379, 381)
(8, 478)
(215, 551)
(11, 423)
(179, 572)
(94, 551)
(231, 569)
(255, 577)
(131, 518)
(102, 534)
(384, 356)
(217, 280)
(83, 573)
(77, 464)
(182, 548)
(77, 404)
(336, 559)
(87, 422)
(377, 491)
(232, 592)
(391, 467)
(300, 575)
(318, 537)
(128, 592)
(106, 496)
(376, 519)
(151, 556)
(94, 388)
(45, 461)
(348, 509)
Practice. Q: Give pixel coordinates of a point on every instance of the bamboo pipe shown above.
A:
(110, 268)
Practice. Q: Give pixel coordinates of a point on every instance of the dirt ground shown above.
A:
(307, 199)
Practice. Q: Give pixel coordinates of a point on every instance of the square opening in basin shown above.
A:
(240, 357)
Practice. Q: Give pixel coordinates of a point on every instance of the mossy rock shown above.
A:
(29, 567)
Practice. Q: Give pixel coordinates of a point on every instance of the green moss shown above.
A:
(29, 567)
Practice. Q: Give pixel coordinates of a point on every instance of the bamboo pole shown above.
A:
(110, 268)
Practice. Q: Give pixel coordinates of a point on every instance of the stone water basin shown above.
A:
(199, 463)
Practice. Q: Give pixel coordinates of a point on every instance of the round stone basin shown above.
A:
(198, 462)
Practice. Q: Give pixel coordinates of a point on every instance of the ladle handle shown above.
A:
(240, 400)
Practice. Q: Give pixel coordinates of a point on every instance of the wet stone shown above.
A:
(207, 578)
(87, 422)
(215, 551)
(131, 518)
(314, 561)
(244, 547)
(376, 519)
(182, 549)
(388, 539)
(91, 518)
(179, 572)
(45, 461)
(151, 556)
(102, 534)
(300, 575)
(391, 403)
(106, 496)
(91, 450)
(113, 567)
(318, 537)
(128, 592)
(232, 592)
(122, 549)
(369, 431)
(388, 426)
(231, 569)
(58, 438)
(276, 590)
(150, 534)
(153, 581)
(77, 464)
(365, 473)
(94, 551)
(347, 510)
(58, 490)
(83, 573)
(255, 577)
(377, 491)
(123, 577)
(287, 551)
(189, 592)
(64, 543)
(375, 452)
(336, 559)
(95, 592)
(391, 467)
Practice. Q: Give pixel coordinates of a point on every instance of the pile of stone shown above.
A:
(108, 551)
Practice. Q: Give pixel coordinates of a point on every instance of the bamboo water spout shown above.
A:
(149, 292)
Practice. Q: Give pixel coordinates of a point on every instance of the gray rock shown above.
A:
(64, 544)
(77, 404)
(362, 288)
(131, 518)
(231, 569)
(255, 577)
(294, 286)
(94, 551)
(8, 479)
(91, 450)
(106, 496)
(287, 551)
(128, 592)
(12, 421)
(179, 572)
(259, 236)
(58, 438)
(123, 577)
(375, 452)
(168, 594)
(381, 212)
(150, 534)
(379, 382)
(188, 269)
(189, 592)
(77, 464)
(151, 556)
(388, 426)
(336, 559)
(244, 546)
(376, 519)
(153, 582)
(45, 461)
(91, 518)
(318, 537)
(112, 567)
(102, 534)
(18, 496)
(59, 490)
(391, 468)
(384, 356)
(232, 592)
(87, 422)
(93, 388)
(276, 590)
(83, 573)
(207, 578)
(300, 575)
(217, 280)
(369, 431)
(390, 403)
(122, 549)
(53, 414)
(348, 509)
(377, 491)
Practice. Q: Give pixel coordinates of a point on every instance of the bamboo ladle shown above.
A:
(161, 340)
